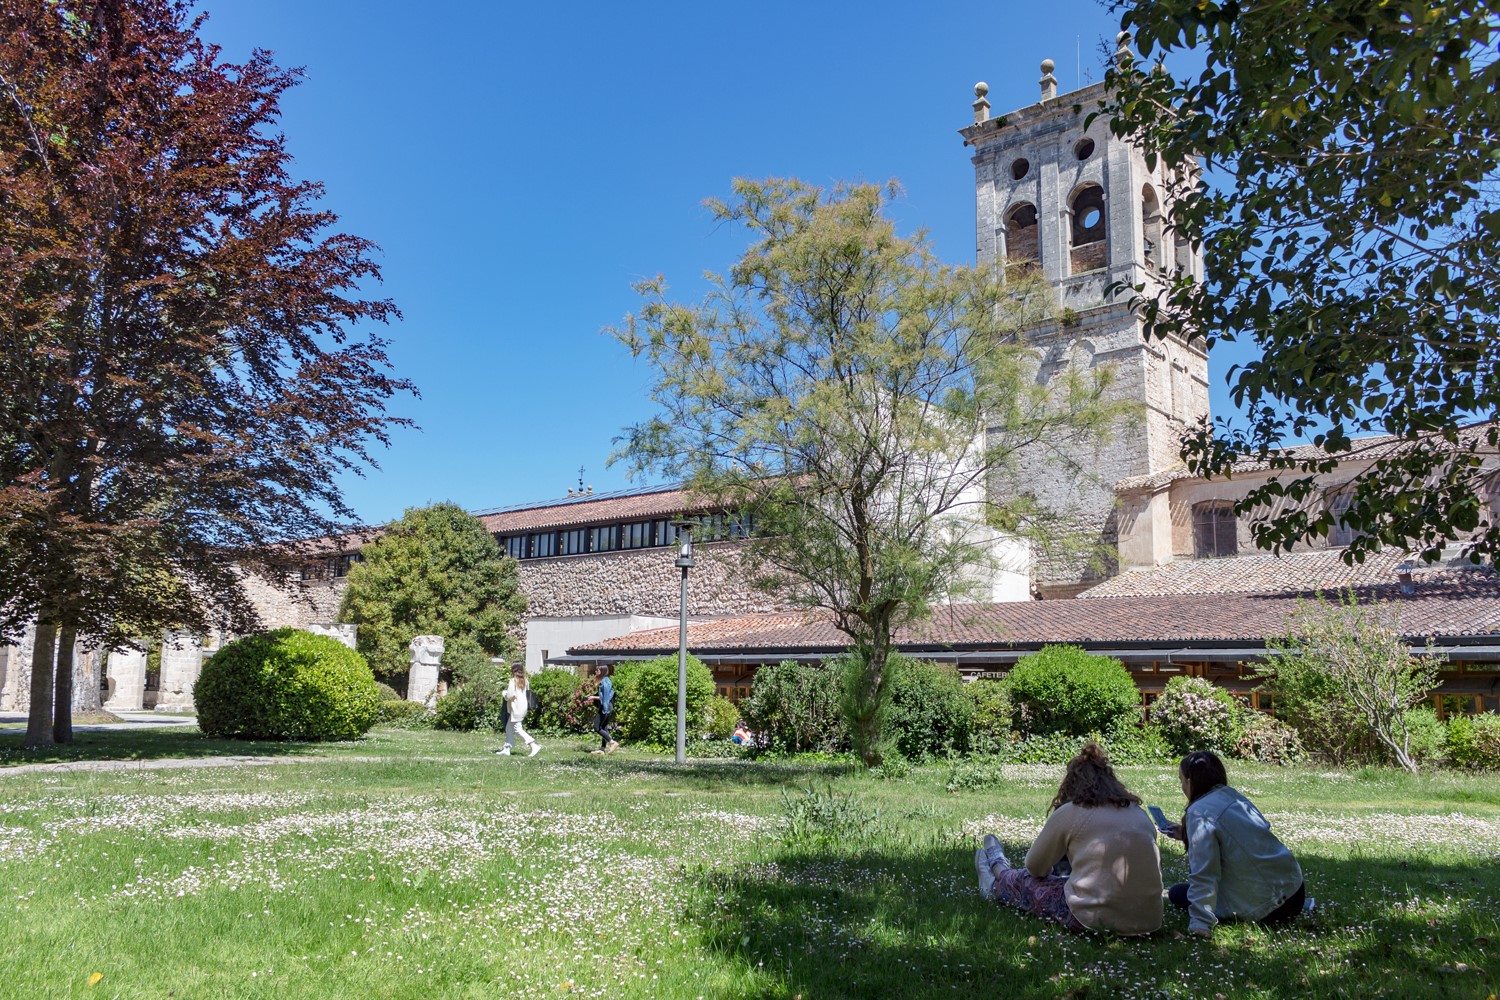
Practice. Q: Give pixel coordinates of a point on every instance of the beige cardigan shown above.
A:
(1116, 880)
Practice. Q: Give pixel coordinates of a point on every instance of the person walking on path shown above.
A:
(517, 697)
(1099, 827)
(1237, 868)
(604, 721)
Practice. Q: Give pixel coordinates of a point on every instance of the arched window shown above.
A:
(1151, 248)
(1021, 235)
(1215, 530)
(1087, 230)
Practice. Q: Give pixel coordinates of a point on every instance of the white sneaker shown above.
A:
(504, 751)
(994, 853)
(535, 747)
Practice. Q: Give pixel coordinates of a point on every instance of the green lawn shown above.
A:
(421, 865)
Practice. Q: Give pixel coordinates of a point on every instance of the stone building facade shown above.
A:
(1060, 195)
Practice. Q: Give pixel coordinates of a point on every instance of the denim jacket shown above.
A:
(1236, 866)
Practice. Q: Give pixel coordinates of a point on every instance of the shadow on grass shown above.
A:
(706, 773)
(150, 744)
(910, 923)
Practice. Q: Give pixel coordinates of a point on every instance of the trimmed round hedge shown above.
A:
(1065, 689)
(286, 685)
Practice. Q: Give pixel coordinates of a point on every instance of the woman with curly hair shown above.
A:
(1098, 827)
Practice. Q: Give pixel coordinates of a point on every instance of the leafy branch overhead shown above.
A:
(1351, 234)
(877, 411)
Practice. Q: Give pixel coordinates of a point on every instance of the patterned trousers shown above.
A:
(1040, 897)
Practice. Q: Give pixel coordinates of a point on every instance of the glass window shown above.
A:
(543, 544)
(1338, 505)
(574, 541)
(636, 535)
(607, 538)
(1214, 530)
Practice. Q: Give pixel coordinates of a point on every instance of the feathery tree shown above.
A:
(876, 412)
(176, 312)
(436, 571)
(1350, 228)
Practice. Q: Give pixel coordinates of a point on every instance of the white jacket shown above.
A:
(515, 701)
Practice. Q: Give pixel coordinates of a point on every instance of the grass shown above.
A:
(421, 865)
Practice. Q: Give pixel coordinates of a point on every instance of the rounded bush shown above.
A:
(646, 697)
(1063, 689)
(388, 693)
(476, 703)
(1269, 741)
(286, 685)
(403, 715)
(794, 707)
(719, 717)
(578, 712)
(1426, 737)
(1474, 741)
(553, 688)
(1193, 713)
(992, 712)
(929, 713)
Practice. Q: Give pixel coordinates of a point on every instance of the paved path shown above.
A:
(74, 766)
(129, 720)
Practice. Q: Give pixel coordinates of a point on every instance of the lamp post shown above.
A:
(684, 562)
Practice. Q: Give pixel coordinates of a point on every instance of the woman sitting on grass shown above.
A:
(1237, 869)
(1097, 826)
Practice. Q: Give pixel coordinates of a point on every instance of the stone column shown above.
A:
(126, 670)
(343, 633)
(181, 661)
(422, 678)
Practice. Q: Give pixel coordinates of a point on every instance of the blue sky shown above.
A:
(522, 165)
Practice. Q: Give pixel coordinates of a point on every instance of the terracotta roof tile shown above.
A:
(665, 501)
(1264, 573)
(1469, 608)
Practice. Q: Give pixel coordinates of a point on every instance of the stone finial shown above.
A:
(1123, 56)
(981, 103)
(1048, 81)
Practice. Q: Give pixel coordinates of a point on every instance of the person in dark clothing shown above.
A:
(604, 720)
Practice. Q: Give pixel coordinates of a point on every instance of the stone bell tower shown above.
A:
(1059, 194)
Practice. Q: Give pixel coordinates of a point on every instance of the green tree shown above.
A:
(1356, 653)
(871, 407)
(436, 571)
(1350, 230)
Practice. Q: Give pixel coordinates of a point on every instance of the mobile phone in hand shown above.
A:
(1160, 819)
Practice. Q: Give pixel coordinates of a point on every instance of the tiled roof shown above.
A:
(1367, 449)
(623, 505)
(1471, 608)
(1264, 573)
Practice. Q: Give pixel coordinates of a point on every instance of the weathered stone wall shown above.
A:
(310, 602)
(642, 582)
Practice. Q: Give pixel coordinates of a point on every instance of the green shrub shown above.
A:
(387, 693)
(1473, 741)
(646, 697)
(1063, 689)
(1268, 740)
(554, 690)
(719, 717)
(1130, 742)
(477, 702)
(794, 707)
(1426, 737)
(930, 714)
(286, 685)
(1194, 713)
(403, 715)
(992, 714)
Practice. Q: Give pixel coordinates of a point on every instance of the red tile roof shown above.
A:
(1472, 608)
(635, 505)
(1264, 573)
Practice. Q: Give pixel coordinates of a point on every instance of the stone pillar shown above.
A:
(343, 633)
(422, 679)
(126, 670)
(181, 661)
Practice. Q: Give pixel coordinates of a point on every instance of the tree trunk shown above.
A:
(62, 713)
(39, 715)
(866, 692)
